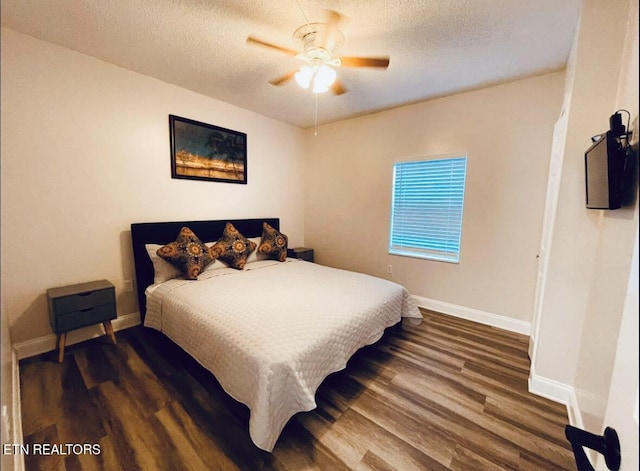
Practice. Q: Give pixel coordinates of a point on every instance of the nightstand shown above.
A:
(75, 306)
(302, 253)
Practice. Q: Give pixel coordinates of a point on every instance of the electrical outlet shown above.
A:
(389, 269)
(128, 286)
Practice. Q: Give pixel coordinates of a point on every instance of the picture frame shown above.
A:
(201, 151)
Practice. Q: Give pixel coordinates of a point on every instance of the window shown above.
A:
(426, 211)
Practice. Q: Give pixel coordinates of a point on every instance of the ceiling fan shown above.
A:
(316, 43)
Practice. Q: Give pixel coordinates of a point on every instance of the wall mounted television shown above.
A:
(604, 168)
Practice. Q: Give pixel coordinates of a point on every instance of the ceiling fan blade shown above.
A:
(337, 88)
(259, 42)
(283, 79)
(379, 62)
(325, 38)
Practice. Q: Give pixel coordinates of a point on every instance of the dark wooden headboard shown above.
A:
(165, 232)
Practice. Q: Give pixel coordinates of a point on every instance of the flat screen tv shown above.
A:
(604, 163)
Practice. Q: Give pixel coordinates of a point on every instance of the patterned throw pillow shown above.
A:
(162, 269)
(232, 248)
(273, 243)
(187, 253)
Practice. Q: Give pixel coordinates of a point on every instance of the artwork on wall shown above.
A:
(202, 151)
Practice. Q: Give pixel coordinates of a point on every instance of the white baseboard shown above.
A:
(557, 392)
(544, 387)
(563, 394)
(16, 413)
(482, 317)
(37, 346)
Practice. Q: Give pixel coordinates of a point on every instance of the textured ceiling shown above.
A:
(437, 47)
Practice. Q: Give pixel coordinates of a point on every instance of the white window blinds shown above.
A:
(426, 211)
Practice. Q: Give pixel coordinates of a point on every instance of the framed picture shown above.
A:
(202, 151)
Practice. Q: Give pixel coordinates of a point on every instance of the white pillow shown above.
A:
(162, 270)
(255, 256)
(214, 266)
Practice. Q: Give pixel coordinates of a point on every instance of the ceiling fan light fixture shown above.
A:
(304, 76)
(323, 79)
(315, 46)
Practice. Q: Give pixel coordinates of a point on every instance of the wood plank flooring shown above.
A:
(448, 394)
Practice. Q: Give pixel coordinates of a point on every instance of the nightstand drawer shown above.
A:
(84, 317)
(81, 301)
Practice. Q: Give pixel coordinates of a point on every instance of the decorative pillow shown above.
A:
(162, 270)
(187, 253)
(232, 248)
(273, 243)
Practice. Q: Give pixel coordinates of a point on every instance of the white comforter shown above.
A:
(272, 332)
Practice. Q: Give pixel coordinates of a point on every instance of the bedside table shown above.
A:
(302, 253)
(75, 306)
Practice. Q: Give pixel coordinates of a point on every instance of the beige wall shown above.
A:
(506, 132)
(592, 250)
(617, 232)
(622, 399)
(85, 152)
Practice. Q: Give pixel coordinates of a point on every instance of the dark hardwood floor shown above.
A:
(446, 395)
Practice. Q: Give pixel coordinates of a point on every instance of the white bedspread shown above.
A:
(272, 332)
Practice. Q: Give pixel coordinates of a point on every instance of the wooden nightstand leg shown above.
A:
(108, 328)
(62, 340)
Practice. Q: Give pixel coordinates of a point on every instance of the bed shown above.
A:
(271, 332)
